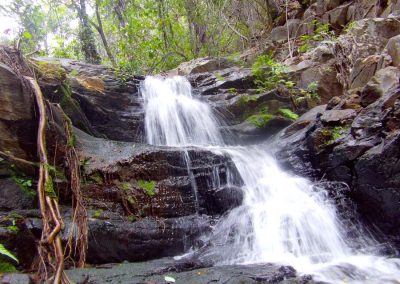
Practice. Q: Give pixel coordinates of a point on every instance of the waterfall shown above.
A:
(283, 218)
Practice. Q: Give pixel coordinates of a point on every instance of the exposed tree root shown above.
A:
(50, 248)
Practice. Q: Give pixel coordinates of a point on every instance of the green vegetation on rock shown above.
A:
(288, 113)
(148, 187)
(259, 120)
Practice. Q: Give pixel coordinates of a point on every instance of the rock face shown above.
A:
(98, 100)
(359, 147)
(158, 181)
(17, 126)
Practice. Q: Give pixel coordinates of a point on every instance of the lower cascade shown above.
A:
(283, 218)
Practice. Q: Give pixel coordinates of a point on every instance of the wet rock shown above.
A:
(17, 236)
(359, 148)
(13, 196)
(116, 241)
(157, 181)
(337, 116)
(155, 272)
(250, 133)
(229, 78)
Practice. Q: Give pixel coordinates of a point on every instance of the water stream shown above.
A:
(283, 218)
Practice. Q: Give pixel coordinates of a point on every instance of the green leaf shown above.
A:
(6, 252)
(169, 279)
(6, 267)
(27, 35)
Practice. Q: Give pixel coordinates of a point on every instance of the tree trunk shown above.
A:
(99, 28)
(86, 35)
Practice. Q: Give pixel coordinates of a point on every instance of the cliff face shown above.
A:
(143, 193)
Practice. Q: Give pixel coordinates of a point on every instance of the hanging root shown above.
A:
(78, 238)
(50, 248)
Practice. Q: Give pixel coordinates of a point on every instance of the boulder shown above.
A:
(202, 65)
(393, 49)
(280, 33)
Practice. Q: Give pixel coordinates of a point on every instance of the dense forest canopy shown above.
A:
(142, 36)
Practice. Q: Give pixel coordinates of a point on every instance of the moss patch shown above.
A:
(259, 120)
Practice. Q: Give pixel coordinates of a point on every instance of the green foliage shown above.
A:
(321, 32)
(268, 73)
(288, 113)
(339, 131)
(6, 253)
(232, 90)
(49, 188)
(98, 214)
(310, 95)
(148, 187)
(245, 99)
(26, 185)
(6, 267)
(350, 26)
(219, 77)
(259, 120)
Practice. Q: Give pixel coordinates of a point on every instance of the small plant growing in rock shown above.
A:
(148, 187)
(268, 73)
(285, 112)
(309, 96)
(321, 32)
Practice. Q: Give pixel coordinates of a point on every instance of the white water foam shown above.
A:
(282, 219)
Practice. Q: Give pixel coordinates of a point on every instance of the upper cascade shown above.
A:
(173, 117)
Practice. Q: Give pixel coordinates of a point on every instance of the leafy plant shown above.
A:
(310, 95)
(148, 187)
(268, 73)
(338, 132)
(26, 186)
(5, 256)
(321, 32)
(288, 113)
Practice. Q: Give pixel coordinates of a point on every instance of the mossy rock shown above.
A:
(50, 72)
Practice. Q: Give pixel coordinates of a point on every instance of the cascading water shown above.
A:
(283, 218)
